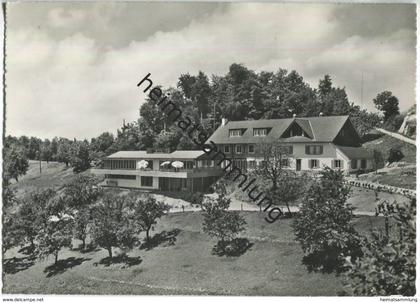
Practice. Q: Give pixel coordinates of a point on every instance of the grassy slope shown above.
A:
(386, 142)
(272, 266)
(54, 175)
(394, 177)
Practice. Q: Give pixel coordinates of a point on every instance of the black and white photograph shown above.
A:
(189, 148)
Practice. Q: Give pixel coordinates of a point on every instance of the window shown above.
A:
(146, 181)
(289, 149)
(118, 176)
(235, 132)
(251, 149)
(260, 132)
(363, 164)
(354, 163)
(285, 162)
(313, 149)
(239, 149)
(227, 149)
(313, 163)
(338, 164)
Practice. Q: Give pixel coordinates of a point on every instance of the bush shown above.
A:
(395, 155)
(323, 225)
(388, 264)
(219, 222)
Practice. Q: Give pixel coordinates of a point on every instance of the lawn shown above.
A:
(404, 177)
(182, 263)
(53, 175)
(364, 200)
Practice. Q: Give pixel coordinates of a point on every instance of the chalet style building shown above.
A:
(312, 143)
(177, 171)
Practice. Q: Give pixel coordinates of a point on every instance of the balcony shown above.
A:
(172, 172)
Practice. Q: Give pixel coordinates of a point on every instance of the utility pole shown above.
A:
(361, 91)
(39, 157)
(214, 116)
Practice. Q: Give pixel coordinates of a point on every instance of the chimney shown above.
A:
(321, 114)
(224, 121)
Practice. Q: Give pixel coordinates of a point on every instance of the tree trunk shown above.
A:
(83, 243)
(110, 252)
(147, 234)
(56, 257)
(288, 208)
(32, 246)
(16, 178)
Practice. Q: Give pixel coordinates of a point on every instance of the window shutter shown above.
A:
(306, 149)
(321, 149)
(332, 164)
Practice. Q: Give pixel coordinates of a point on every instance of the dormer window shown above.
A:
(260, 131)
(235, 132)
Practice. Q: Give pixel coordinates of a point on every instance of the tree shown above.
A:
(55, 234)
(378, 159)
(325, 86)
(387, 103)
(33, 213)
(112, 225)
(146, 212)
(290, 188)
(186, 84)
(46, 151)
(80, 156)
(15, 162)
(80, 194)
(11, 234)
(218, 221)
(64, 151)
(323, 224)
(388, 264)
(276, 159)
(102, 142)
(201, 93)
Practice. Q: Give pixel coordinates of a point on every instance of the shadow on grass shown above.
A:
(88, 249)
(27, 250)
(128, 261)
(62, 265)
(233, 248)
(319, 262)
(163, 238)
(15, 265)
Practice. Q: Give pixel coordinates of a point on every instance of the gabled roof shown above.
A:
(321, 129)
(355, 152)
(179, 154)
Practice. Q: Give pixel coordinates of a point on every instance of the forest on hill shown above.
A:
(241, 94)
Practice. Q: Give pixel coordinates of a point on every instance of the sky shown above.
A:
(72, 68)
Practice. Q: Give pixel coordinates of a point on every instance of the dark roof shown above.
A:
(355, 152)
(179, 154)
(322, 129)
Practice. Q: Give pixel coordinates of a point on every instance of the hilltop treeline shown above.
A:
(239, 95)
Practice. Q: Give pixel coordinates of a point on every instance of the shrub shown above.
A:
(395, 155)
(218, 221)
(323, 225)
(388, 264)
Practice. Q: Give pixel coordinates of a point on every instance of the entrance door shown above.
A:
(298, 164)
